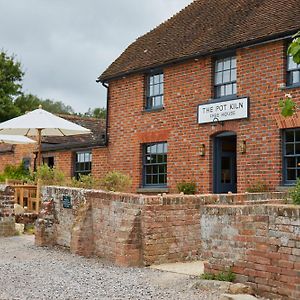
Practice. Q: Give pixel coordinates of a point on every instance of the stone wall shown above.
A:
(7, 217)
(260, 243)
(255, 234)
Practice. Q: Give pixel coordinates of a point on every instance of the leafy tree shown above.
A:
(98, 112)
(11, 76)
(294, 48)
(288, 106)
(27, 103)
(30, 102)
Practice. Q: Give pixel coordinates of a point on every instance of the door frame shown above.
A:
(217, 154)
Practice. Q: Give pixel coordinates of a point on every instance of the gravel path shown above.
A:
(29, 272)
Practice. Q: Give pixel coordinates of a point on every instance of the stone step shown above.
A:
(237, 297)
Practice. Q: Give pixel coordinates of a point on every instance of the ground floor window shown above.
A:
(155, 164)
(83, 163)
(49, 161)
(291, 155)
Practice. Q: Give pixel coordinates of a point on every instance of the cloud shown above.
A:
(65, 45)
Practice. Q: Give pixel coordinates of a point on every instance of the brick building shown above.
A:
(73, 155)
(196, 99)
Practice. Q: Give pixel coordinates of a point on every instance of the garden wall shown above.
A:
(256, 234)
(7, 217)
(260, 243)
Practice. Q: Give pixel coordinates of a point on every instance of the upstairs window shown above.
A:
(83, 163)
(155, 91)
(293, 72)
(225, 77)
(155, 164)
(291, 155)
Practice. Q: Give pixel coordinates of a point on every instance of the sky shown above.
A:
(64, 45)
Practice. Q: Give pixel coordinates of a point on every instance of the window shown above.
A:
(83, 163)
(26, 163)
(225, 77)
(155, 164)
(291, 155)
(155, 91)
(49, 161)
(293, 71)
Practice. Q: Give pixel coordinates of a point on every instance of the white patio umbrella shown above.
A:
(15, 139)
(41, 123)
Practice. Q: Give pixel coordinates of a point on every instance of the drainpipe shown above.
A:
(107, 105)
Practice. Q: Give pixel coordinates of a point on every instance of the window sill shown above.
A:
(153, 190)
(294, 86)
(149, 110)
(221, 99)
(284, 187)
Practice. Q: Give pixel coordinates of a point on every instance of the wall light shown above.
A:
(215, 122)
(202, 150)
(242, 147)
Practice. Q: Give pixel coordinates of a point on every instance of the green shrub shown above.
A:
(116, 181)
(188, 188)
(226, 275)
(50, 176)
(85, 181)
(295, 193)
(16, 172)
(258, 187)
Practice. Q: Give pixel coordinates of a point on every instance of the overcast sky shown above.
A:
(64, 45)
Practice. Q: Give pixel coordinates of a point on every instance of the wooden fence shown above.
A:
(28, 196)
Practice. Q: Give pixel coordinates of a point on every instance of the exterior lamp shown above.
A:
(202, 150)
(242, 147)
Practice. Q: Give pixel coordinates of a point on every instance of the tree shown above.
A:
(30, 102)
(98, 112)
(294, 48)
(11, 76)
(287, 105)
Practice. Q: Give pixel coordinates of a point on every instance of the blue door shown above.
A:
(225, 163)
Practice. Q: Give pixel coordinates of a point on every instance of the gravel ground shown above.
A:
(29, 272)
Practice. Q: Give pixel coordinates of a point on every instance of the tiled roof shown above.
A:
(208, 26)
(96, 138)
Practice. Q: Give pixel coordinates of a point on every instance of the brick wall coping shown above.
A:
(177, 199)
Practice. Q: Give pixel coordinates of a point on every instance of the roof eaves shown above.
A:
(252, 43)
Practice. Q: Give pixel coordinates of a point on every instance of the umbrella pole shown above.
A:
(39, 162)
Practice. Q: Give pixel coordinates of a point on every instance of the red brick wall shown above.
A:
(99, 162)
(261, 71)
(260, 243)
(16, 157)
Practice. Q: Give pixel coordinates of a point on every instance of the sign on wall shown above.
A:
(67, 203)
(223, 111)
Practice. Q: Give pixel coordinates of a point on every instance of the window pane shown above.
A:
(219, 65)
(218, 78)
(156, 89)
(297, 135)
(156, 79)
(161, 88)
(234, 88)
(289, 136)
(149, 170)
(165, 147)
(297, 148)
(151, 80)
(289, 148)
(160, 148)
(291, 162)
(227, 63)
(153, 148)
(226, 76)
(155, 169)
(148, 179)
(233, 62)
(161, 179)
(233, 75)
(162, 169)
(155, 179)
(228, 88)
(161, 77)
(291, 174)
(295, 77)
(291, 64)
